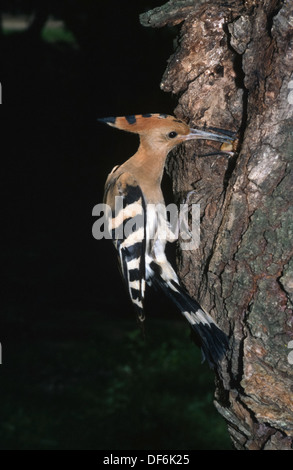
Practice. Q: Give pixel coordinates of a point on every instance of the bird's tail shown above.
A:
(213, 341)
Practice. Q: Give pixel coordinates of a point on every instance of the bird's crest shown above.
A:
(139, 123)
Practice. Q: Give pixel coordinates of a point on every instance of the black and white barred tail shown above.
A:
(212, 340)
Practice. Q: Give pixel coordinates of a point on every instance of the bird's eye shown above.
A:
(172, 135)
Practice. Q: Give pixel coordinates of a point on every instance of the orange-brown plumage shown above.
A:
(157, 139)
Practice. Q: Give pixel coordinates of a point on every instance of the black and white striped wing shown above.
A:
(128, 229)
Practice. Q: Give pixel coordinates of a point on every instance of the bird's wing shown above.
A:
(128, 228)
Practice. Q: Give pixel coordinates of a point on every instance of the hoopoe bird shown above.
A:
(141, 253)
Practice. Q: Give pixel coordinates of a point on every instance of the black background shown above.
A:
(55, 156)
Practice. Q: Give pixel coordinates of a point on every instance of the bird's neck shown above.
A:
(151, 161)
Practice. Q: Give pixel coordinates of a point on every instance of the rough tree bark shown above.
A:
(233, 68)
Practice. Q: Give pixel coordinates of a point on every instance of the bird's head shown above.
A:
(161, 131)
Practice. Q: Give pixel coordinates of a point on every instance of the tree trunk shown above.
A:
(233, 69)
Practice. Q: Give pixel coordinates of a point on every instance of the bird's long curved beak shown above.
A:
(199, 134)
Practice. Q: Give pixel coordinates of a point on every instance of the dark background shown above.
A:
(76, 372)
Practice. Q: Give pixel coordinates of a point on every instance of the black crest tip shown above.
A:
(107, 120)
